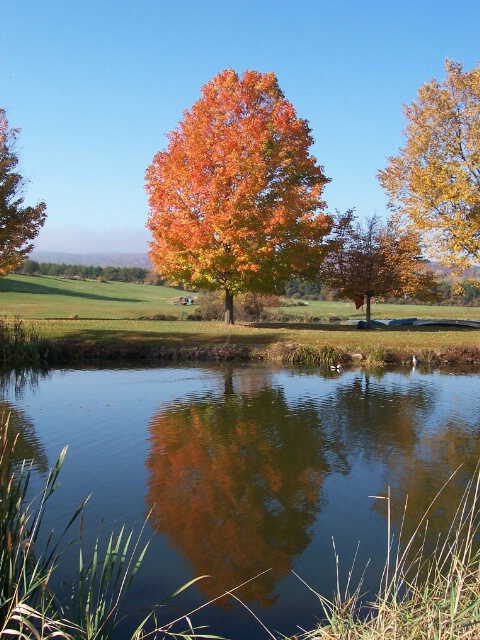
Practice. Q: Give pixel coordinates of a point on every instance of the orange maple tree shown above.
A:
(19, 224)
(236, 198)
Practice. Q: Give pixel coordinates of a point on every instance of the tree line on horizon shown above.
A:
(236, 199)
(108, 273)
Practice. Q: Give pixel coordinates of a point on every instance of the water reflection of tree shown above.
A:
(20, 426)
(446, 451)
(234, 482)
(389, 423)
(381, 419)
(17, 379)
(28, 446)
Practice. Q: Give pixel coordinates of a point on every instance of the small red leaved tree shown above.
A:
(376, 259)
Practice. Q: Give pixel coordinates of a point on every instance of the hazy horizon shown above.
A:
(78, 239)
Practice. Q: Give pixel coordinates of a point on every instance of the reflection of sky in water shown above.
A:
(456, 398)
(104, 417)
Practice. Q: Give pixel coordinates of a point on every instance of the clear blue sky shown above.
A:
(96, 84)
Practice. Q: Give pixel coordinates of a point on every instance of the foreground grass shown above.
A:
(419, 598)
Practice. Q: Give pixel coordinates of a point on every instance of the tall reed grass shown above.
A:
(289, 354)
(29, 608)
(20, 342)
(424, 597)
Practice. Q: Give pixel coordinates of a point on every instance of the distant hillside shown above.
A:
(94, 259)
(141, 260)
(446, 272)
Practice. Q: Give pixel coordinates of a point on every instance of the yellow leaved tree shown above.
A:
(434, 182)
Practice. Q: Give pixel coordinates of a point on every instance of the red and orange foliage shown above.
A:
(236, 487)
(19, 225)
(236, 199)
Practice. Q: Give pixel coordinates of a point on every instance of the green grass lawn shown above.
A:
(191, 334)
(52, 297)
(380, 311)
(95, 311)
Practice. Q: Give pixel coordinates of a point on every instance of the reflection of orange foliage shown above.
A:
(236, 487)
(28, 447)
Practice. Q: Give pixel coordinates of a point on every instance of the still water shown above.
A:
(248, 471)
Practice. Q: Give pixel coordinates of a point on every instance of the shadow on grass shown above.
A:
(220, 335)
(31, 288)
(276, 334)
(299, 326)
(156, 337)
(303, 326)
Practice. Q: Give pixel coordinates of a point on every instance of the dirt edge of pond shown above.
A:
(62, 351)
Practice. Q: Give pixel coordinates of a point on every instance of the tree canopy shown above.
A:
(236, 199)
(377, 259)
(434, 182)
(19, 224)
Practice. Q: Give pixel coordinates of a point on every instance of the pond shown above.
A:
(248, 474)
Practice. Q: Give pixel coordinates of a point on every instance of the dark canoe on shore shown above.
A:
(473, 324)
(400, 321)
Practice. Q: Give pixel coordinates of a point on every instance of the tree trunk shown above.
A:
(228, 373)
(228, 307)
(368, 297)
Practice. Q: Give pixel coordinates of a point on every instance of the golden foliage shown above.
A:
(434, 182)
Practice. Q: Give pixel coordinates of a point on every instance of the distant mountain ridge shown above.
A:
(446, 272)
(94, 259)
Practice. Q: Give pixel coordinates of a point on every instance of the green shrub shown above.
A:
(248, 307)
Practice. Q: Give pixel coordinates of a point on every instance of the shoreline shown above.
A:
(78, 351)
(75, 341)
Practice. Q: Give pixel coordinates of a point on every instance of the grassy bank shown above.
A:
(434, 597)
(84, 321)
(89, 340)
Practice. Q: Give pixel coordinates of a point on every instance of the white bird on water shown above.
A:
(414, 360)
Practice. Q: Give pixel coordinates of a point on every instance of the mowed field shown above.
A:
(43, 297)
(115, 311)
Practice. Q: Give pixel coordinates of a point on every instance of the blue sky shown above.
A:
(96, 84)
